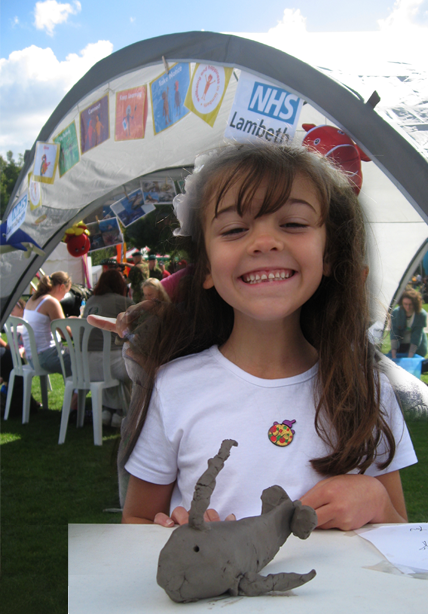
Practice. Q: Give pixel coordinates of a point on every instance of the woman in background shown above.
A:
(43, 307)
(408, 322)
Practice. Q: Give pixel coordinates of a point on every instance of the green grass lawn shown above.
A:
(45, 486)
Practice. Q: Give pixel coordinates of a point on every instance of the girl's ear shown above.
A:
(208, 283)
(326, 269)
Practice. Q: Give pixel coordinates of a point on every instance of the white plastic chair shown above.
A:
(26, 371)
(80, 379)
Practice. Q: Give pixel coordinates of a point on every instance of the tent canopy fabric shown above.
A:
(394, 187)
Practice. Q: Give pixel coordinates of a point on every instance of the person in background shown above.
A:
(165, 273)
(154, 270)
(408, 322)
(43, 307)
(153, 290)
(109, 299)
(137, 275)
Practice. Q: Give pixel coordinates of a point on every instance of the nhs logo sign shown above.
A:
(263, 111)
(274, 102)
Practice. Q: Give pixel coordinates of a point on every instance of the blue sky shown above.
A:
(46, 46)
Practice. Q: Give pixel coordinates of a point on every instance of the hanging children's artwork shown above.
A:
(45, 162)
(104, 233)
(207, 90)
(34, 192)
(94, 125)
(159, 192)
(168, 92)
(16, 216)
(131, 114)
(69, 148)
(131, 208)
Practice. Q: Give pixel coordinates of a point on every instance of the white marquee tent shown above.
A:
(395, 183)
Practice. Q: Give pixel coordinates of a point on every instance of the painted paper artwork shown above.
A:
(34, 192)
(207, 90)
(168, 92)
(131, 114)
(69, 148)
(159, 192)
(104, 233)
(45, 162)
(131, 208)
(94, 125)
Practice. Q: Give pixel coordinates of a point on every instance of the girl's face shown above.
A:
(266, 267)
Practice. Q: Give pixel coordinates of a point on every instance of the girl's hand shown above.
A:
(348, 502)
(181, 516)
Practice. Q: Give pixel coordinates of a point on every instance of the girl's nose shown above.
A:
(265, 240)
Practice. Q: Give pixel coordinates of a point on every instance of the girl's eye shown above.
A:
(292, 225)
(232, 231)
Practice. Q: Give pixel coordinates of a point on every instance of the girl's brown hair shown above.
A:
(111, 281)
(48, 282)
(335, 320)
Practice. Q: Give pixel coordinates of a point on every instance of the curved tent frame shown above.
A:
(393, 154)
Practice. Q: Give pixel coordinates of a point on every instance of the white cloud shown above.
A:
(34, 81)
(50, 13)
(292, 22)
(405, 15)
(132, 19)
(401, 38)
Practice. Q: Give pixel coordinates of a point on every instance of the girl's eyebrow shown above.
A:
(291, 201)
(300, 201)
(230, 209)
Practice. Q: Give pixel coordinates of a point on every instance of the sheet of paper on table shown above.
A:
(405, 546)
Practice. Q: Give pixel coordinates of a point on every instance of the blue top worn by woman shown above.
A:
(418, 336)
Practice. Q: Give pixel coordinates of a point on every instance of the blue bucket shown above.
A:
(412, 365)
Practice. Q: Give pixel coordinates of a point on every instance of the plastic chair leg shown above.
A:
(65, 411)
(97, 408)
(9, 394)
(44, 388)
(28, 378)
(81, 400)
(49, 383)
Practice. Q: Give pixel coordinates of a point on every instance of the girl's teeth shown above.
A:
(253, 278)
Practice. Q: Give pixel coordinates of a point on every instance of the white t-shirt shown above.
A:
(202, 399)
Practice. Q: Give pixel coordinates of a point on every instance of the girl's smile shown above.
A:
(266, 267)
(258, 277)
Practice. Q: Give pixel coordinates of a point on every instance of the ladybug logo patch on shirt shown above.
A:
(281, 434)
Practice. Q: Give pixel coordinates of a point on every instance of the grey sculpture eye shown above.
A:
(196, 548)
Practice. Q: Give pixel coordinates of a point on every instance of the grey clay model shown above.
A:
(202, 560)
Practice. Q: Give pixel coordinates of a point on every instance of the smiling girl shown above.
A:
(269, 347)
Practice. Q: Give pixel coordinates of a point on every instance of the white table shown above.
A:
(112, 570)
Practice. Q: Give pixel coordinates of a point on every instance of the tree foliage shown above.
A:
(9, 171)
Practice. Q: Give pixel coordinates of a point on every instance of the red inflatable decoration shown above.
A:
(335, 144)
(77, 239)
